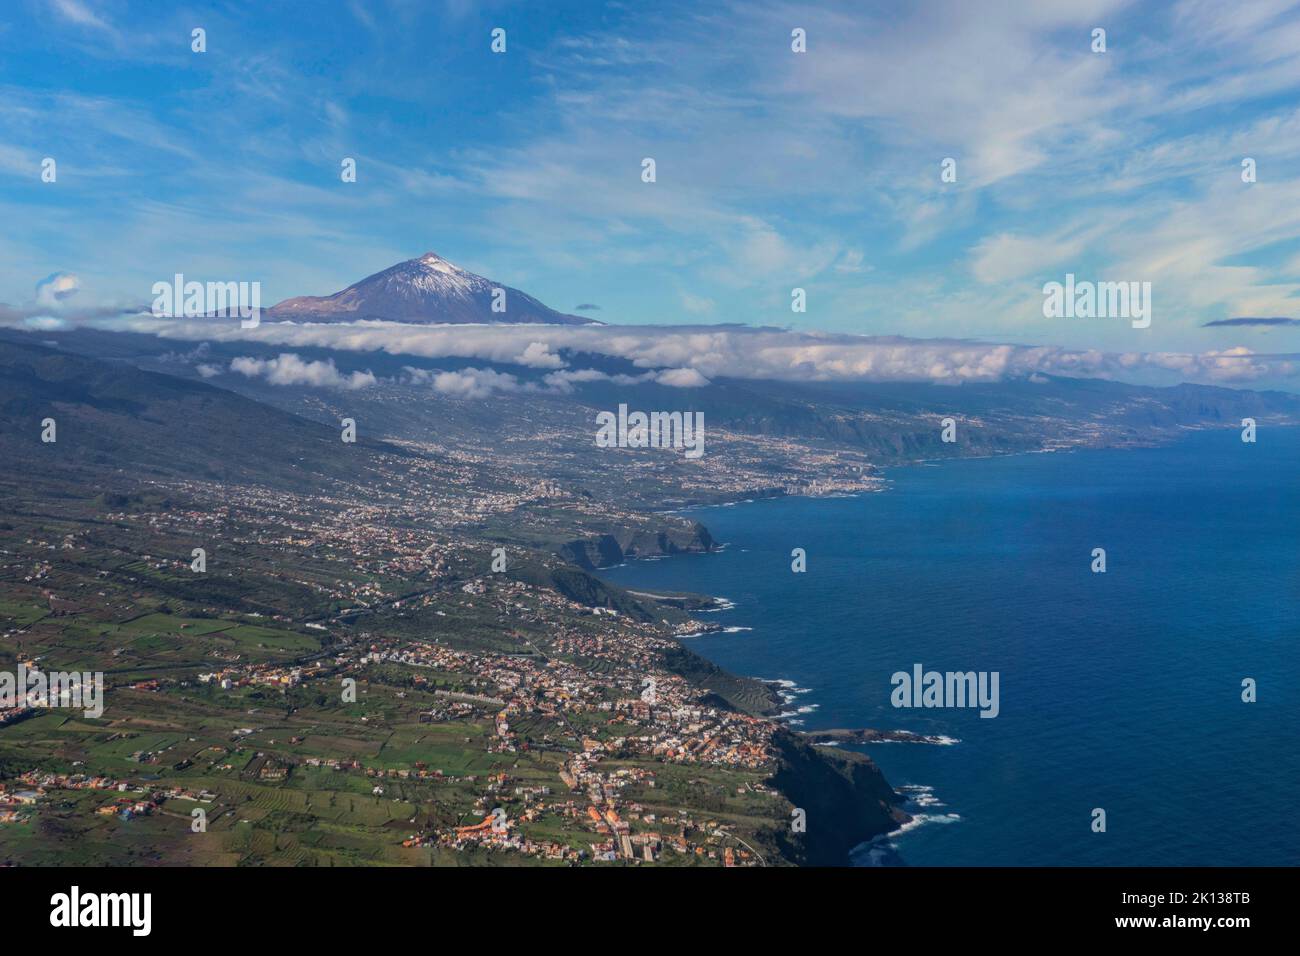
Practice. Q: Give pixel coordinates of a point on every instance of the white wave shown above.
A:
(881, 849)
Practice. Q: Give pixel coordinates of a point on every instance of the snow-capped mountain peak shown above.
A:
(426, 290)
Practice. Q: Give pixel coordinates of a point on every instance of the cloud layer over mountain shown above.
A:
(691, 356)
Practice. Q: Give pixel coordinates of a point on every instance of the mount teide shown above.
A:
(428, 290)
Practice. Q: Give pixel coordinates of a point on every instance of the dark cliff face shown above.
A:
(844, 795)
(744, 694)
(605, 550)
(577, 585)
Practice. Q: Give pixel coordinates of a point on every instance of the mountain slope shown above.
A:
(116, 416)
(428, 290)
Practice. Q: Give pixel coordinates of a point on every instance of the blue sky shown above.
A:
(774, 169)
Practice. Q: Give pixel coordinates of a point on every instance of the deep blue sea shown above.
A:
(1119, 690)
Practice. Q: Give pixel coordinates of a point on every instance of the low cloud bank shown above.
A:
(482, 382)
(690, 356)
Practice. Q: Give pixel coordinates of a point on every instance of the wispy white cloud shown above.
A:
(75, 11)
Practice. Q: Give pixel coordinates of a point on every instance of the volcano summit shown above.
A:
(426, 291)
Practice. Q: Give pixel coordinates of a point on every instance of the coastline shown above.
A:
(1173, 436)
(916, 803)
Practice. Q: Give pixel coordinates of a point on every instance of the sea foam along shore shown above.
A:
(790, 692)
(920, 804)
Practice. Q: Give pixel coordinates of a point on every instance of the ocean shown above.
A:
(1119, 690)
